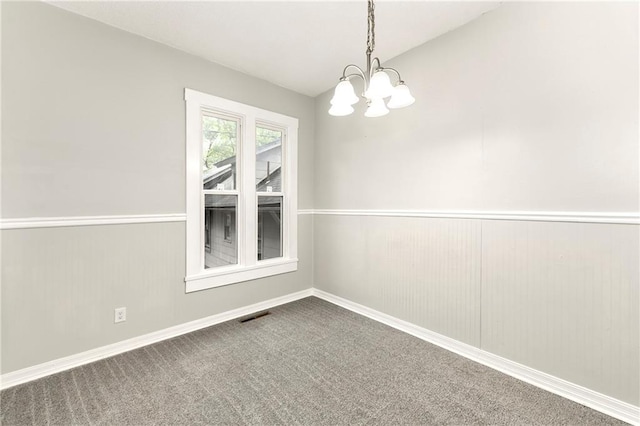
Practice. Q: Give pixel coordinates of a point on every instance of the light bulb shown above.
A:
(376, 108)
(401, 97)
(379, 86)
(344, 94)
(340, 110)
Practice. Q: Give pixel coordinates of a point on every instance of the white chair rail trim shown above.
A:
(623, 218)
(56, 222)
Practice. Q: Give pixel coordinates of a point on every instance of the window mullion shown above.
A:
(248, 190)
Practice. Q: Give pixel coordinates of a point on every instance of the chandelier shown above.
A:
(377, 83)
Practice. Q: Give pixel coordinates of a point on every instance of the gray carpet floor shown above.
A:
(309, 362)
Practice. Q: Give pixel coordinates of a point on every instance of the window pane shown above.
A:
(220, 230)
(268, 160)
(269, 227)
(219, 148)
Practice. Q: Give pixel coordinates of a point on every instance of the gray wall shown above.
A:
(532, 107)
(94, 124)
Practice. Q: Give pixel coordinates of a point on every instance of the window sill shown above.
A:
(235, 274)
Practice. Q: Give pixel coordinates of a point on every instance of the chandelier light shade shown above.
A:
(379, 86)
(401, 97)
(376, 108)
(344, 94)
(340, 110)
(377, 83)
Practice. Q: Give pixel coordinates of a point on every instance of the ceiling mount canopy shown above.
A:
(377, 82)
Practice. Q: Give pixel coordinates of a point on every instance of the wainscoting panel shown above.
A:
(425, 271)
(558, 297)
(60, 286)
(563, 298)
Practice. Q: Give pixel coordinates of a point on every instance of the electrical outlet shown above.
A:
(120, 315)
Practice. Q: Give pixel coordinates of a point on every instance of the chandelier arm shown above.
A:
(360, 73)
(348, 76)
(375, 68)
(395, 71)
(364, 82)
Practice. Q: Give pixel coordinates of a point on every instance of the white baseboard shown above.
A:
(45, 369)
(605, 404)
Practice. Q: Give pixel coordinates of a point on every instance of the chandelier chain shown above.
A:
(371, 28)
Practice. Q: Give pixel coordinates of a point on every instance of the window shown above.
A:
(241, 192)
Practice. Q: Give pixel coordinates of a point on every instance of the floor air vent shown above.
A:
(254, 316)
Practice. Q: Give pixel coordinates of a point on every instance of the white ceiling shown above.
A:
(301, 45)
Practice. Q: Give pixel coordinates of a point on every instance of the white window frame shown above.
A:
(248, 267)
